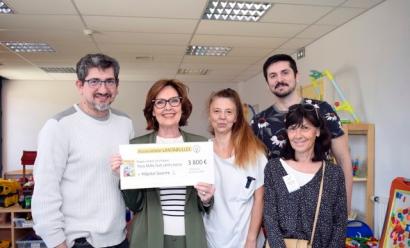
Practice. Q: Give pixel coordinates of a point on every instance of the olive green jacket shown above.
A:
(148, 227)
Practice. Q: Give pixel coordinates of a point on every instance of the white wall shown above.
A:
(28, 104)
(370, 59)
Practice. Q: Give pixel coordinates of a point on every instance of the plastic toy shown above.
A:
(355, 167)
(9, 192)
(343, 105)
(396, 228)
(359, 234)
(5, 243)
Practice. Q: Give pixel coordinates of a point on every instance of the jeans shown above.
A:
(82, 243)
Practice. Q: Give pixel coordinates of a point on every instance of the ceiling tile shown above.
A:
(297, 43)
(142, 38)
(340, 16)
(249, 52)
(249, 29)
(143, 49)
(302, 14)
(142, 8)
(30, 35)
(362, 3)
(309, 2)
(237, 41)
(219, 60)
(141, 25)
(316, 31)
(42, 22)
(50, 7)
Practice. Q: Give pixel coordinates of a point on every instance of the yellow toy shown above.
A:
(344, 105)
(5, 243)
(9, 192)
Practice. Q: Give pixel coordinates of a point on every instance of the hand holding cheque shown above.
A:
(166, 165)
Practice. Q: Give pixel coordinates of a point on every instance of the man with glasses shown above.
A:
(281, 74)
(76, 200)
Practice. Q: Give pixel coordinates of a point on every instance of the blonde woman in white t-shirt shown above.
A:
(236, 217)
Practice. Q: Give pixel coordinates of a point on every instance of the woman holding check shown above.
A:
(239, 157)
(167, 217)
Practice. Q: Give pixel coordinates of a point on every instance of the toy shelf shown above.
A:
(8, 230)
(362, 142)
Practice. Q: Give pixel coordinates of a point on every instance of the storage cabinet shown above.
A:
(8, 228)
(361, 143)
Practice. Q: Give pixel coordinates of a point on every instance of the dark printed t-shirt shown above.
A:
(269, 125)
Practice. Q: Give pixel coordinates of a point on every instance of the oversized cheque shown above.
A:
(166, 165)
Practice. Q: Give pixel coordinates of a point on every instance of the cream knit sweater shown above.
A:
(76, 194)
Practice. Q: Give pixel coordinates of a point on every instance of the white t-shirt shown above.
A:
(301, 177)
(227, 223)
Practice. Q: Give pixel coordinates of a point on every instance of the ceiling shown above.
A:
(158, 33)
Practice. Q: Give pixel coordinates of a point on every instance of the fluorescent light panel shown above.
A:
(250, 11)
(187, 71)
(4, 9)
(27, 47)
(58, 69)
(207, 50)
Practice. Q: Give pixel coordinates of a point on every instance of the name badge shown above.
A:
(291, 183)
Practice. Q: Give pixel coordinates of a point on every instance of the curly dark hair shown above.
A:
(297, 113)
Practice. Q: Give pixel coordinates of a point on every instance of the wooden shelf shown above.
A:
(9, 231)
(366, 130)
(359, 179)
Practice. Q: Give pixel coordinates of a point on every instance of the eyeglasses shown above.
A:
(306, 107)
(173, 101)
(96, 82)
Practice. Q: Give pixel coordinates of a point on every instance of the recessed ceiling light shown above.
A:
(4, 9)
(186, 71)
(207, 50)
(250, 11)
(58, 69)
(27, 47)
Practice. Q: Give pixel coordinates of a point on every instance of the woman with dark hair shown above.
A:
(167, 217)
(239, 158)
(294, 183)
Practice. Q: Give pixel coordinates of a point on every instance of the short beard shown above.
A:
(284, 94)
(102, 107)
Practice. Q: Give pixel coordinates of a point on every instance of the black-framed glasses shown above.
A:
(173, 101)
(96, 82)
(306, 107)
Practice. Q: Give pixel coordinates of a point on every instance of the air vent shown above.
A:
(144, 58)
(58, 69)
(185, 71)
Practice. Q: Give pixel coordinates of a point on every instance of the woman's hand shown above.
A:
(116, 161)
(205, 192)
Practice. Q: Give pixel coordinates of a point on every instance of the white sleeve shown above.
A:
(52, 153)
(260, 166)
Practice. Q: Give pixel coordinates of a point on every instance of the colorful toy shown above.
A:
(343, 105)
(5, 243)
(396, 228)
(355, 167)
(9, 192)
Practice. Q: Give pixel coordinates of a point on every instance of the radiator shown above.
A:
(380, 208)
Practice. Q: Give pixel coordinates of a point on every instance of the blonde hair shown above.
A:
(246, 145)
